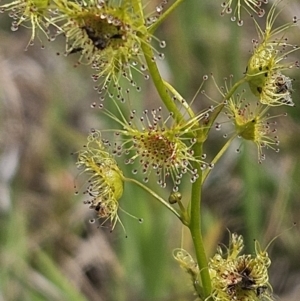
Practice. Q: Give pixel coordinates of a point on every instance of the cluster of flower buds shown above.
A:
(240, 277)
(106, 34)
(234, 277)
(265, 77)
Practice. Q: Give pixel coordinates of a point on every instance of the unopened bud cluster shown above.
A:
(105, 184)
(107, 35)
(234, 276)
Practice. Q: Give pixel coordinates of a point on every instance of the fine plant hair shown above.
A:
(162, 150)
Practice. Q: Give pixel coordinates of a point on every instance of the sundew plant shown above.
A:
(163, 147)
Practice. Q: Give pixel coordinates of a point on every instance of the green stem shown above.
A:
(234, 87)
(218, 156)
(159, 83)
(153, 27)
(138, 9)
(180, 99)
(165, 203)
(195, 227)
(218, 109)
(251, 200)
(195, 204)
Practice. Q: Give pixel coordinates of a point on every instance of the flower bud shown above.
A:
(105, 184)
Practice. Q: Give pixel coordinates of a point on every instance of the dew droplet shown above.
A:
(193, 179)
(203, 166)
(143, 67)
(14, 27)
(240, 22)
(161, 56)
(261, 13)
(162, 44)
(159, 8)
(218, 126)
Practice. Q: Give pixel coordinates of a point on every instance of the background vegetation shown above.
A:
(50, 251)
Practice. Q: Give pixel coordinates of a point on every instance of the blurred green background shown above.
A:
(50, 251)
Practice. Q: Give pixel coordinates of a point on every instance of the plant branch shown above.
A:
(218, 156)
(195, 227)
(181, 100)
(160, 199)
(159, 83)
(154, 26)
(218, 109)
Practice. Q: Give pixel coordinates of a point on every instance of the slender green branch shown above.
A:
(165, 203)
(218, 156)
(180, 99)
(195, 204)
(153, 27)
(138, 9)
(195, 227)
(218, 109)
(234, 87)
(159, 83)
